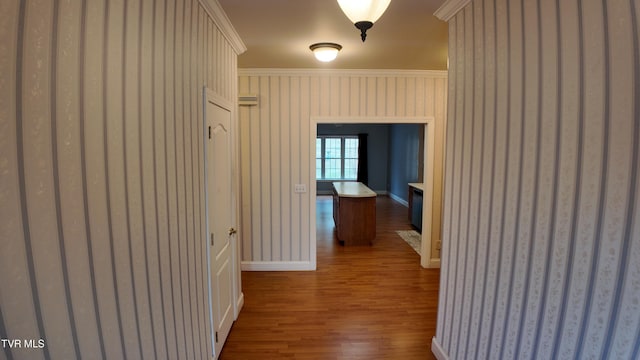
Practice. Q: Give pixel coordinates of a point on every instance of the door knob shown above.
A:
(232, 231)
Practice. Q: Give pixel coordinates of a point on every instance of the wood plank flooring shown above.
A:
(363, 302)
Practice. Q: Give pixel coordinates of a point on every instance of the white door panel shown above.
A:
(220, 207)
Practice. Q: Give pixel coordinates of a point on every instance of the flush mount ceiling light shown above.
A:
(325, 51)
(363, 13)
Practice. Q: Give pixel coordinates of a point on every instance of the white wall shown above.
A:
(101, 176)
(275, 150)
(541, 231)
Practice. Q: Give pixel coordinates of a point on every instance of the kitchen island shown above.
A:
(354, 212)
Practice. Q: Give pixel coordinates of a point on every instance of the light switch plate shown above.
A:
(300, 188)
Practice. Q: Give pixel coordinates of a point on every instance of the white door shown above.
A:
(220, 219)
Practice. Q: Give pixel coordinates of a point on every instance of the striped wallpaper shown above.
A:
(275, 149)
(101, 176)
(541, 230)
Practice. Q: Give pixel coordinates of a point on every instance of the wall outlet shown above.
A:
(300, 188)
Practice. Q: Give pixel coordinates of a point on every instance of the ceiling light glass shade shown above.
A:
(363, 10)
(363, 13)
(325, 52)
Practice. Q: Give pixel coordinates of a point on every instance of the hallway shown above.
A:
(362, 302)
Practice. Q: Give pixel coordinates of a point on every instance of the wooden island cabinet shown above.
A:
(354, 212)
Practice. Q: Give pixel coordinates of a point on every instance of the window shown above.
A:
(336, 157)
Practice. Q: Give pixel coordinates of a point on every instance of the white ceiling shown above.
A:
(277, 34)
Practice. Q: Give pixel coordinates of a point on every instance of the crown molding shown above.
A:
(450, 7)
(342, 72)
(219, 17)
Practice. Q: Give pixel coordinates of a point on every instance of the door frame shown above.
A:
(209, 95)
(426, 261)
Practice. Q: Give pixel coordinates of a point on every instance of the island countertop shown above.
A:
(353, 189)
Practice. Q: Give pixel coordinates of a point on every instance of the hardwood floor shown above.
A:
(363, 302)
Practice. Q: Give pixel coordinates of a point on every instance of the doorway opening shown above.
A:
(426, 259)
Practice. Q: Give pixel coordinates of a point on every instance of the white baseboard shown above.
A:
(399, 199)
(277, 266)
(437, 350)
(239, 305)
(434, 263)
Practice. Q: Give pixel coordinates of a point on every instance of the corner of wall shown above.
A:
(437, 350)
